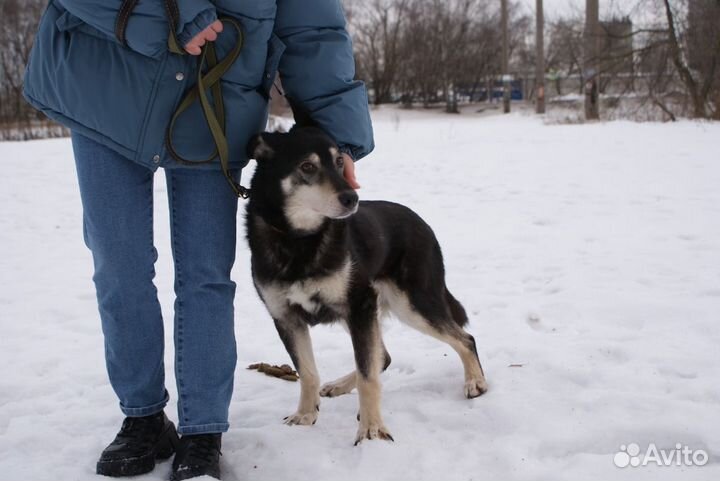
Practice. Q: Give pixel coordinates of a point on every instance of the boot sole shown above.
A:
(180, 476)
(165, 447)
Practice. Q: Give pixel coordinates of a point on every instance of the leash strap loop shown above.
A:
(214, 114)
(173, 13)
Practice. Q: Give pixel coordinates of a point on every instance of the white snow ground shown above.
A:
(587, 254)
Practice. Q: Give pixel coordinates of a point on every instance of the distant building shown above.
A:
(655, 56)
(616, 46)
(703, 32)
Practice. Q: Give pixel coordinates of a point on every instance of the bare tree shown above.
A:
(18, 24)
(564, 51)
(696, 54)
(377, 39)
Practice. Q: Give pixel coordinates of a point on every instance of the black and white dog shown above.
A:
(320, 256)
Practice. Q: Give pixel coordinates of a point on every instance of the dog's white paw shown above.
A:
(302, 419)
(372, 431)
(475, 388)
(333, 389)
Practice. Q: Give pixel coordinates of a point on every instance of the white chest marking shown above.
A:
(309, 293)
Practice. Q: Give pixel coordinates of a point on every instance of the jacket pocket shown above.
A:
(147, 35)
(86, 81)
(67, 22)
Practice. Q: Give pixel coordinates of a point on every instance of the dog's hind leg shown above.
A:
(367, 342)
(340, 386)
(442, 317)
(296, 337)
(464, 345)
(348, 382)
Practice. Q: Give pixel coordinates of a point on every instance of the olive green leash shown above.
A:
(214, 114)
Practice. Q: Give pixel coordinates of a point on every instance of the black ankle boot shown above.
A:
(138, 444)
(197, 455)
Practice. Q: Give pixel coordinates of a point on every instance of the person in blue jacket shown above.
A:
(117, 95)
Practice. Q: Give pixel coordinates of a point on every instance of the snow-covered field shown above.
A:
(588, 258)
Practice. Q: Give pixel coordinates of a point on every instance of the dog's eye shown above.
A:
(340, 162)
(308, 167)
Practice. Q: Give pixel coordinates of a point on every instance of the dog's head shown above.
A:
(300, 173)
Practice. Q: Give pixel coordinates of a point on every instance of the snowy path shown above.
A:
(589, 255)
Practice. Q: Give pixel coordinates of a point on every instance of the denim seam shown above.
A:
(182, 408)
(153, 255)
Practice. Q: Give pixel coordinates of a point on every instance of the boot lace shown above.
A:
(137, 431)
(200, 450)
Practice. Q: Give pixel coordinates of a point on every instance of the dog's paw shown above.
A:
(333, 389)
(372, 431)
(302, 419)
(475, 388)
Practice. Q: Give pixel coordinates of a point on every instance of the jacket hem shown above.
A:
(80, 128)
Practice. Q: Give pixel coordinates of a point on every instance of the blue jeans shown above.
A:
(117, 200)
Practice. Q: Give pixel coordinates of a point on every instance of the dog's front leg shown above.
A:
(369, 357)
(295, 334)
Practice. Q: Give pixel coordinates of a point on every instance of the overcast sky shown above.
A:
(554, 8)
(557, 6)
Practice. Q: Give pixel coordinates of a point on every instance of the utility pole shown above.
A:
(539, 58)
(590, 67)
(505, 55)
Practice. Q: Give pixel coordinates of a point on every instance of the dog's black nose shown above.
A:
(348, 199)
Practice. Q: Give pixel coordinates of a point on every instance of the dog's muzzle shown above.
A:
(349, 201)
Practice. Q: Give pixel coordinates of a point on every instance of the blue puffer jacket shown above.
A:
(124, 96)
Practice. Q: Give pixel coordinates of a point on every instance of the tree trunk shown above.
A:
(505, 57)
(539, 58)
(590, 63)
(698, 102)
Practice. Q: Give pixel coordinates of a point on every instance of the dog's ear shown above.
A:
(301, 115)
(262, 146)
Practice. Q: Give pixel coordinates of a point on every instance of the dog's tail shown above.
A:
(456, 309)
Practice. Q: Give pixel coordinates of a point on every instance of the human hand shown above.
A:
(349, 171)
(193, 47)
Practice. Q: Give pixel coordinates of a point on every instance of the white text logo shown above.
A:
(630, 455)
